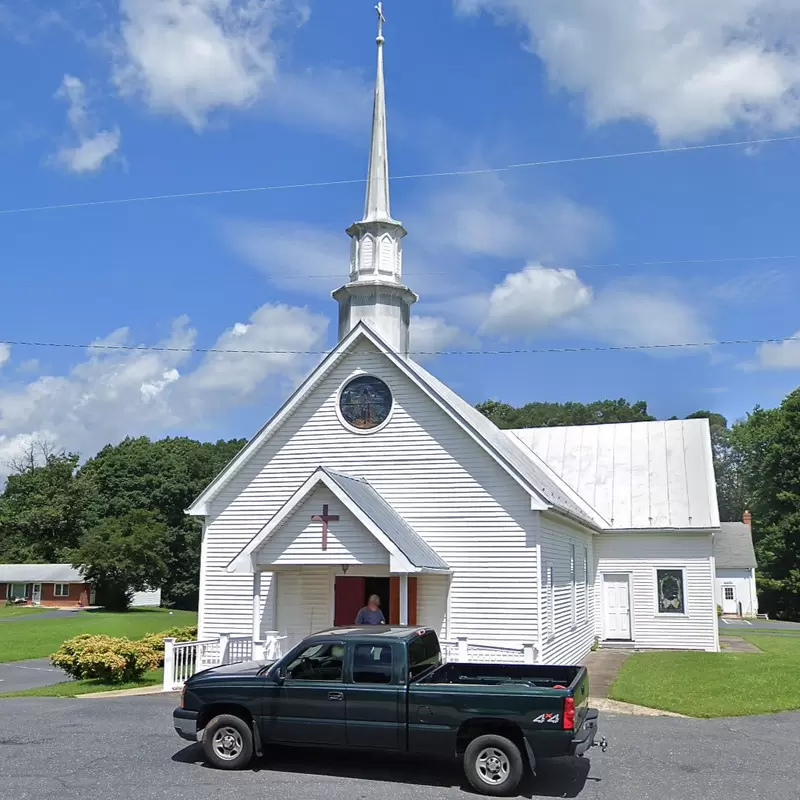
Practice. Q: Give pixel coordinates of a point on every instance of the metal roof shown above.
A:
(637, 475)
(733, 546)
(527, 465)
(40, 573)
(404, 537)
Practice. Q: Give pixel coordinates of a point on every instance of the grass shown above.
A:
(74, 688)
(40, 638)
(715, 684)
(21, 611)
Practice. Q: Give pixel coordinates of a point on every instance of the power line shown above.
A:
(515, 351)
(417, 176)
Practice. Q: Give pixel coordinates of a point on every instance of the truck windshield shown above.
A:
(423, 653)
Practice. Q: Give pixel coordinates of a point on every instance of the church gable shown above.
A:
(321, 531)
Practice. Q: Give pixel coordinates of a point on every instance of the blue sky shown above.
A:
(109, 100)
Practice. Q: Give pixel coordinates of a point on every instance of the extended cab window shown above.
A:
(372, 663)
(319, 662)
(423, 653)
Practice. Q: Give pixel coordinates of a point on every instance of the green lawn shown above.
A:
(40, 638)
(73, 688)
(20, 611)
(715, 684)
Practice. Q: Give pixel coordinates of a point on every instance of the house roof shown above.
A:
(40, 573)
(544, 485)
(733, 546)
(638, 475)
(407, 550)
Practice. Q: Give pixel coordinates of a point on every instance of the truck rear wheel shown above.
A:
(493, 765)
(228, 742)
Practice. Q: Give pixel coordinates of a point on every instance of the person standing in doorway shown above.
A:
(371, 614)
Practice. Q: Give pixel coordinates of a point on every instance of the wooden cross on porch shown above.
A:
(325, 518)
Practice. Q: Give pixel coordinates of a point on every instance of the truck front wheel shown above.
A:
(493, 765)
(228, 742)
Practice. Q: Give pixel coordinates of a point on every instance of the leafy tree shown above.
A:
(163, 477)
(544, 415)
(767, 448)
(122, 555)
(42, 509)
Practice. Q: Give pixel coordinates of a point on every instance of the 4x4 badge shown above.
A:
(553, 718)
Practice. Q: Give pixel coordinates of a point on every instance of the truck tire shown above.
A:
(228, 742)
(493, 765)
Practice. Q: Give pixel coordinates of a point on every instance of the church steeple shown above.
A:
(375, 293)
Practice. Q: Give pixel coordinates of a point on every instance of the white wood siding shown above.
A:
(304, 603)
(744, 583)
(571, 638)
(442, 482)
(299, 539)
(432, 593)
(639, 555)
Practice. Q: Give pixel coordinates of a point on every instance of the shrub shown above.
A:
(105, 658)
(719, 611)
(155, 641)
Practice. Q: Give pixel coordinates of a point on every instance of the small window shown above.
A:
(319, 662)
(372, 663)
(728, 592)
(61, 590)
(574, 587)
(585, 583)
(670, 591)
(17, 591)
(423, 653)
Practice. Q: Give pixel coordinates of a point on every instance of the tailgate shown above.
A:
(580, 694)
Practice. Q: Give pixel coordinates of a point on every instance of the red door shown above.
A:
(348, 600)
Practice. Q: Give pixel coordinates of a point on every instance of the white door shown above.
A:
(729, 600)
(616, 607)
(36, 594)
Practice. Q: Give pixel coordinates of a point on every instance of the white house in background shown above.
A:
(374, 477)
(735, 561)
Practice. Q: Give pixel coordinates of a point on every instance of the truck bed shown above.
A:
(526, 675)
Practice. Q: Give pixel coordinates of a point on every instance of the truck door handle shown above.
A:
(335, 695)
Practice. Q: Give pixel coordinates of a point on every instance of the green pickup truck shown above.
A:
(386, 688)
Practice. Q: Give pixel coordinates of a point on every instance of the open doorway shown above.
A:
(380, 587)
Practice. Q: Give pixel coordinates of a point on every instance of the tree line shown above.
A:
(120, 515)
(757, 468)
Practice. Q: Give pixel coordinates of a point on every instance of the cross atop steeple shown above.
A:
(381, 20)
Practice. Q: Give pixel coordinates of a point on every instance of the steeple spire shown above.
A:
(375, 294)
(376, 208)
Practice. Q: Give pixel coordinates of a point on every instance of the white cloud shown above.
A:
(623, 315)
(779, 355)
(88, 148)
(430, 335)
(114, 393)
(534, 299)
(486, 217)
(192, 57)
(688, 68)
(5, 353)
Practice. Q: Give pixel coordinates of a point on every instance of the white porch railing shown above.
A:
(184, 659)
(466, 651)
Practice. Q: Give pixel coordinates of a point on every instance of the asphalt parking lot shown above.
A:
(126, 749)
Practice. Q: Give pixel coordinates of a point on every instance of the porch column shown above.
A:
(404, 599)
(257, 606)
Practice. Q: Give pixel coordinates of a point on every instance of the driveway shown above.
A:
(126, 749)
(729, 626)
(18, 675)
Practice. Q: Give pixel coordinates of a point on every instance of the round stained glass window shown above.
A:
(365, 402)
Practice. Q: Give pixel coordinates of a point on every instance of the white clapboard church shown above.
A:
(375, 477)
